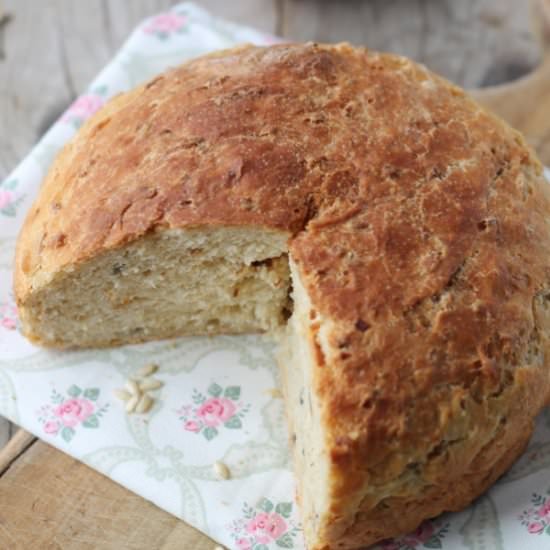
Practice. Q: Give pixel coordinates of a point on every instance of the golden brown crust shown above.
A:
(420, 233)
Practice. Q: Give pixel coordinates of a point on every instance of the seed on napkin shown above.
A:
(144, 404)
(123, 395)
(221, 470)
(147, 370)
(150, 384)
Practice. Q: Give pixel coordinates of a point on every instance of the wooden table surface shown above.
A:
(51, 49)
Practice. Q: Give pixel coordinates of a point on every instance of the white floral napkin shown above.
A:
(218, 402)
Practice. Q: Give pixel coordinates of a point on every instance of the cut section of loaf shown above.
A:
(170, 283)
(417, 228)
(297, 360)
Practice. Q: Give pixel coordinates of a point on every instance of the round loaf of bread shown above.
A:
(412, 226)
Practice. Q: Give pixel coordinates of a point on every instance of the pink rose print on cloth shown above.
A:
(544, 511)
(243, 544)
(216, 411)
(65, 414)
(536, 527)
(427, 535)
(165, 24)
(85, 106)
(8, 316)
(73, 411)
(536, 518)
(10, 199)
(51, 427)
(264, 527)
(210, 413)
(6, 198)
(192, 426)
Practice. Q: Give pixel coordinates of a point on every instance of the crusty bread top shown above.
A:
(416, 219)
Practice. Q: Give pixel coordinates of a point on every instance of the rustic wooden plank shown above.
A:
(525, 104)
(5, 431)
(17, 445)
(121, 16)
(49, 500)
(91, 32)
(261, 14)
(31, 78)
(472, 42)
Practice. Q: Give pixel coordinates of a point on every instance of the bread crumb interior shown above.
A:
(170, 283)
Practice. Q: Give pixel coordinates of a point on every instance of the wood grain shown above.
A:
(17, 445)
(7, 429)
(50, 501)
(525, 103)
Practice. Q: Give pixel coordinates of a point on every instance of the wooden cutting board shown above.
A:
(50, 501)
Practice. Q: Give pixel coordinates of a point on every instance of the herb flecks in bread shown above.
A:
(416, 227)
